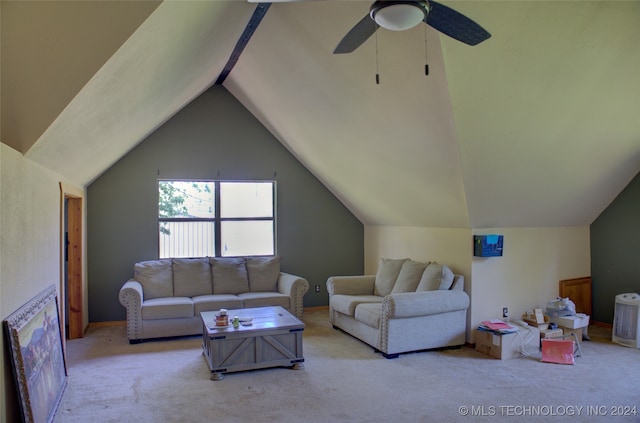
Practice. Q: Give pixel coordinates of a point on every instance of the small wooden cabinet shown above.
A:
(578, 290)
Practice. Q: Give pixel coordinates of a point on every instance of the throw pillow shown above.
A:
(229, 275)
(156, 278)
(264, 273)
(388, 271)
(409, 276)
(447, 278)
(191, 277)
(435, 276)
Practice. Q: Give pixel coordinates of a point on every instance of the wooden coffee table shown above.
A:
(273, 339)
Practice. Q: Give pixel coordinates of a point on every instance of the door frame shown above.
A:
(72, 290)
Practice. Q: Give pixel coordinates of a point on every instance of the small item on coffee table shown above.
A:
(222, 319)
(236, 322)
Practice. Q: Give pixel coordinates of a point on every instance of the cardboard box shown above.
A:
(509, 345)
(536, 318)
(541, 326)
(572, 322)
(569, 331)
(551, 333)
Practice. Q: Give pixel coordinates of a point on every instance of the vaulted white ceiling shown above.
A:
(537, 126)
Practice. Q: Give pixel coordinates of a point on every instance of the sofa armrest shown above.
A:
(351, 285)
(131, 291)
(295, 287)
(415, 304)
(131, 297)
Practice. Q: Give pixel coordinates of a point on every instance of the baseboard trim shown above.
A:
(601, 324)
(100, 324)
(316, 308)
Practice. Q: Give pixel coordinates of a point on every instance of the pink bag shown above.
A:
(557, 351)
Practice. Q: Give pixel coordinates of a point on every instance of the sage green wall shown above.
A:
(615, 251)
(214, 137)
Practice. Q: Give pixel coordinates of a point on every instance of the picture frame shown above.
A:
(35, 343)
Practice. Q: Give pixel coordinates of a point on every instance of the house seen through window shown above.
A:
(216, 218)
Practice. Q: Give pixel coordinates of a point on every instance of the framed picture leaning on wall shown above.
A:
(33, 335)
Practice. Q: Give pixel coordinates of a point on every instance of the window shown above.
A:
(215, 218)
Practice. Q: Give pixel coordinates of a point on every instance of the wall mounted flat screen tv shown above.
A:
(488, 245)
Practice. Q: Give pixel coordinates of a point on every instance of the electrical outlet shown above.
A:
(317, 288)
(505, 312)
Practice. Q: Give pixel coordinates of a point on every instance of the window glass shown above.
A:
(246, 199)
(187, 239)
(186, 199)
(243, 238)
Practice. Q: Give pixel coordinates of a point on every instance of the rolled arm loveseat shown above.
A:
(407, 306)
(165, 297)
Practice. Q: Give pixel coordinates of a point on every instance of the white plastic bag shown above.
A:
(560, 307)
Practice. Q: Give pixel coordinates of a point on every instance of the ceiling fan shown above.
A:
(400, 15)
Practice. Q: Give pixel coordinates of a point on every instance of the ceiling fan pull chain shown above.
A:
(426, 57)
(377, 62)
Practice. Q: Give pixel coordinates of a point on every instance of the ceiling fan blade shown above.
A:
(358, 35)
(279, 1)
(455, 24)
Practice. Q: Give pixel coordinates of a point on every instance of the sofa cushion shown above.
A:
(265, 299)
(346, 304)
(264, 273)
(215, 302)
(388, 271)
(369, 314)
(409, 276)
(191, 277)
(156, 278)
(167, 308)
(435, 276)
(229, 275)
(447, 278)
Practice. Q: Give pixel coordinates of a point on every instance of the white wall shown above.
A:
(526, 276)
(448, 246)
(29, 247)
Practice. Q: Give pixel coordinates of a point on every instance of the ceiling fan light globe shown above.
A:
(398, 17)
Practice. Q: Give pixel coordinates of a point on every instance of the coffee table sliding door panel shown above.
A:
(231, 353)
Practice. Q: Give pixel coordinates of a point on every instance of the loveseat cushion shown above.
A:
(229, 275)
(435, 276)
(263, 273)
(346, 304)
(215, 302)
(369, 314)
(388, 271)
(167, 308)
(156, 278)
(265, 299)
(409, 276)
(191, 277)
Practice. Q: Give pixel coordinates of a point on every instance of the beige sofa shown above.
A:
(165, 297)
(406, 306)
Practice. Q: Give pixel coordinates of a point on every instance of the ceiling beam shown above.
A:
(256, 18)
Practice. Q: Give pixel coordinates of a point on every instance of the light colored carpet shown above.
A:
(344, 380)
